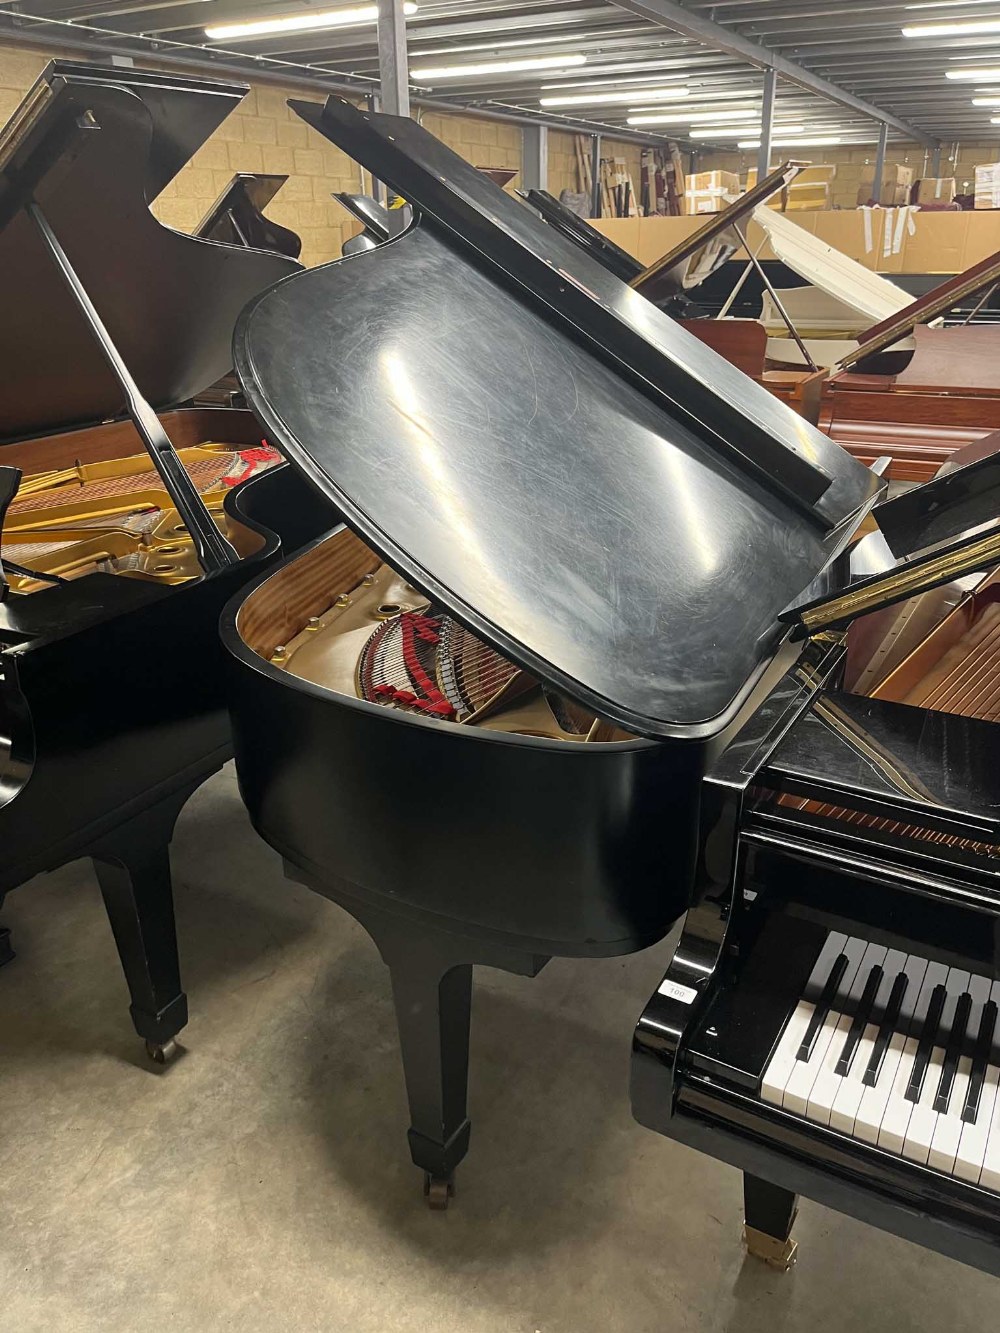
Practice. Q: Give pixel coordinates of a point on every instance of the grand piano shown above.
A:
(477, 716)
(828, 1021)
(237, 216)
(128, 521)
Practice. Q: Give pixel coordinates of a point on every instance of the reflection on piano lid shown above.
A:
(237, 216)
(126, 536)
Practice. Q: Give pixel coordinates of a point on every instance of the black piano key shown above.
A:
(886, 1030)
(980, 1060)
(952, 1052)
(926, 1044)
(860, 1021)
(822, 1009)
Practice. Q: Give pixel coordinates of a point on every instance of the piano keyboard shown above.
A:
(897, 1051)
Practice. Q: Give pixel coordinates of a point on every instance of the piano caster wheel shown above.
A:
(161, 1053)
(779, 1254)
(438, 1190)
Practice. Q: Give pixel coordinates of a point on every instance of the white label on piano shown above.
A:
(673, 991)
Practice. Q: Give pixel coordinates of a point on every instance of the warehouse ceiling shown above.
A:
(620, 64)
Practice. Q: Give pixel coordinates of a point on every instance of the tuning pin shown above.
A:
(368, 580)
(280, 655)
(343, 600)
(313, 623)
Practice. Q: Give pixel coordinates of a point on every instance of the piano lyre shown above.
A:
(134, 519)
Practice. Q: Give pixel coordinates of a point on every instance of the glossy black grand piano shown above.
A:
(124, 531)
(829, 1020)
(237, 216)
(478, 716)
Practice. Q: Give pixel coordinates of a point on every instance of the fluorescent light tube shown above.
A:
(974, 75)
(986, 101)
(734, 132)
(327, 18)
(593, 99)
(663, 118)
(431, 75)
(792, 143)
(952, 29)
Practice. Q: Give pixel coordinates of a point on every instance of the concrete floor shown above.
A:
(262, 1182)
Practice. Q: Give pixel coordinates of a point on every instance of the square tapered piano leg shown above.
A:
(769, 1215)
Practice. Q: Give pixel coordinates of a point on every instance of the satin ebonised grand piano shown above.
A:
(125, 531)
(478, 716)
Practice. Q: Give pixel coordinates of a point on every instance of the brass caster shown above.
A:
(778, 1254)
(438, 1190)
(161, 1053)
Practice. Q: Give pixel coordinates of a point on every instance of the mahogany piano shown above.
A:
(124, 531)
(477, 716)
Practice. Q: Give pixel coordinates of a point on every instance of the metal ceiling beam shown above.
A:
(678, 19)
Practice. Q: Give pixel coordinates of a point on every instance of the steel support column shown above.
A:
(392, 63)
(595, 176)
(535, 157)
(766, 123)
(883, 143)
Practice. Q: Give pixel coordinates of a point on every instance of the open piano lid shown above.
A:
(91, 147)
(588, 238)
(237, 216)
(585, 485)
(829, 269)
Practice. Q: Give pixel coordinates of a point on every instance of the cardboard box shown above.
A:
(710, 191)
(934, 190)
(811, 190)
(897, 181)
(988, 186)
(854, 232)
(937, 243)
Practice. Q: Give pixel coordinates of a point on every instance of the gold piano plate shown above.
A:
(97, 506)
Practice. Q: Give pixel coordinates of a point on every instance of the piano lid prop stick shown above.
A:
(786, 319)
(214, 551)
(741, 282)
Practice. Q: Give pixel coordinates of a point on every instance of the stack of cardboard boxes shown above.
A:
(988, 186)
(897, 181)
(710, 191)
(811, 189)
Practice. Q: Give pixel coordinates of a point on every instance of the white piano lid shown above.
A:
(830, 270)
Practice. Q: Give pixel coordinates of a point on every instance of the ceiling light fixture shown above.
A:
(952, 29)
(431, 75)
(665, 118)
(974, 75)
(734, 132)
(986, 101)
(792, 143)
(593, 99)
(328, 18)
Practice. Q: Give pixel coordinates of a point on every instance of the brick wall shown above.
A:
(959, 161)
(484, 143)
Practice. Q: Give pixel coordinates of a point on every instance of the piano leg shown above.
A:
(433, 1001)
(133, 869)
(769, 1215)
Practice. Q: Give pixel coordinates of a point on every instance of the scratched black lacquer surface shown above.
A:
(563, 514)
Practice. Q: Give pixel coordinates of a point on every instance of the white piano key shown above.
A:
(923, 1117)
(972, 1145)
(874, 1101)
(948, 1130)
(800, 1081)
(989, 1177)
(895, 1120)
(783, 1060)
(847, 1103)
(827, 1083)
